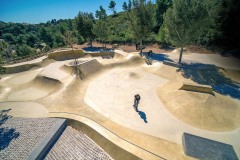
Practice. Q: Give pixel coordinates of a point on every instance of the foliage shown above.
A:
(25, 50)
(84, 23)
(161, 8)
(101, 14)
(141, 19)
(101, 30)
(112, 7)
(70, 38)
(125, 6)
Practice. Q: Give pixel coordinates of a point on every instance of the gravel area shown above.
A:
(74, 144)
(19, 136)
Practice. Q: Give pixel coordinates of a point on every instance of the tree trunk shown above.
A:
(141, 48)
(180, 57)
(91, 43)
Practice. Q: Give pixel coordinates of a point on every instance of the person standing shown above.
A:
(136, 102)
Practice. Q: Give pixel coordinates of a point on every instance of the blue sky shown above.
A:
(36, 11)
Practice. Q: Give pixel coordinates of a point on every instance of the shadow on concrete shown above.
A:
(210, 75)
(6, 134)
(97, 49)
(143, 116)
(3, 116)
(158, 57)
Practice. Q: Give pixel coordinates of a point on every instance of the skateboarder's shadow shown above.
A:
(143, 116)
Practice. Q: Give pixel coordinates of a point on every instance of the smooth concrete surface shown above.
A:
(176, 111)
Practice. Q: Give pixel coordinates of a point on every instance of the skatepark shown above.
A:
(201, 97)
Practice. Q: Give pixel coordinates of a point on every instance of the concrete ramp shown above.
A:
(87, 67)
(197, 88)
(202, 148)
(90, 67)
(118, 56)
(40, 87)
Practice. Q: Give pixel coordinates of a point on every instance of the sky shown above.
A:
(37, 11)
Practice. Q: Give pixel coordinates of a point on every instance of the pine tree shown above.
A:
(112, 7)
(141, 20)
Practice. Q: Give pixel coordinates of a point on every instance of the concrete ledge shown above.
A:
(202, 148)
(197, 88)
(173, 64)
(48, 141)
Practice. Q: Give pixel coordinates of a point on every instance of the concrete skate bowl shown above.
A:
(87, 67)
(211, 75)
(38, 88)
(130, 62)
(132, 76)
(75, 54)
(210, 112)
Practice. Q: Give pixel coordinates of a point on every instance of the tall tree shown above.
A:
(84, 22)
(162, 6)
(182, 22)
(101, 30)
(101, 14)
(124, 6)
(129, 4)
(70, 38)
(141, 20)
(112, 6)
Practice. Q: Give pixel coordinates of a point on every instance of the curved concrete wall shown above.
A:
(112, 149)
(20, 68)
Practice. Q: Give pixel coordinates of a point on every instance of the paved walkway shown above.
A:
(19, 136)
(74, 144)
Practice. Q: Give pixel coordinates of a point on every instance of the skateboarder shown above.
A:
(136, 102)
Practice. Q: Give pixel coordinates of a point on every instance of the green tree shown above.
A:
(70, 38)
(84, 22)
(59, 39)
(31, 40)
(141, 20)
(101, 30)
(129, 4)
(112, 6)
(47, 36)
(124, 6)
(9, 38)
(183, 21)
(162, 6)
(101, 14)
(25, 50)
